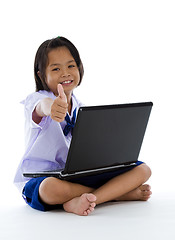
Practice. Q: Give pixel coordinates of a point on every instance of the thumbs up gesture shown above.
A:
(59, 107)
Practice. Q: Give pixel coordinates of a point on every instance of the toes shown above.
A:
(145, 198)
(145, 187)
(88, 203)
(146, 195)
(91, 209)
(82, 205)
(85, 213)
(88, 211)
(91, 197)
(147, 192)
(93, 205)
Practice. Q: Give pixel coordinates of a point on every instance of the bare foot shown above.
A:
(82, 205)
(142, 193)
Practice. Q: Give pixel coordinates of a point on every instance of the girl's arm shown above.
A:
(56, 109)
(42, 109)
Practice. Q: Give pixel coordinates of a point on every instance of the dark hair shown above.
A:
(41, 60)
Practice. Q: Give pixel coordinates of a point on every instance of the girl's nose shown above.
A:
(65, 73)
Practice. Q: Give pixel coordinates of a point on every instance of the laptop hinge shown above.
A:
(91, 172)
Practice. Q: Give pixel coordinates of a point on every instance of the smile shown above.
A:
(67, 82)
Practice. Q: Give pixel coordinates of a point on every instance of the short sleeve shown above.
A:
(29, 105)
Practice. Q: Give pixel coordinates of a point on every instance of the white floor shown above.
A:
(154, 219)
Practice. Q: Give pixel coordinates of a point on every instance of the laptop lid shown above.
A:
(107, 136)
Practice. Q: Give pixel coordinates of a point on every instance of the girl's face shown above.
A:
(63, 69)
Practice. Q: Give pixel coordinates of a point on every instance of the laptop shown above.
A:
(104, 139)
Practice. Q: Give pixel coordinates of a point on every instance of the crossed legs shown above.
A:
(82, 200)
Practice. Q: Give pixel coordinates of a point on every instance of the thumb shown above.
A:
(61, 93)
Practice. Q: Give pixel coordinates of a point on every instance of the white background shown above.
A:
(128, 52)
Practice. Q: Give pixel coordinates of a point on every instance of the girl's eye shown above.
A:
(55, 69)
(71, 66)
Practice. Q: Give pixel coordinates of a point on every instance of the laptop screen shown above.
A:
(106, 136)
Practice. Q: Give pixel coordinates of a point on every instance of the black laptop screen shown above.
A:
(106, 136)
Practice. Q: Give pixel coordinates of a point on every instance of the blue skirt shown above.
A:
(31, 189)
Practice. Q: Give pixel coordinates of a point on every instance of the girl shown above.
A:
(58, 71)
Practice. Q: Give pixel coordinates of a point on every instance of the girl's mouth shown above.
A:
(67, 82)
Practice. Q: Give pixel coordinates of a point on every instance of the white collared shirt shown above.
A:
(46, 145)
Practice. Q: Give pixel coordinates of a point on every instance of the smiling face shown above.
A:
(63, 69)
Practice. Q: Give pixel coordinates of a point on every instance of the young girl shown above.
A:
(58, 71)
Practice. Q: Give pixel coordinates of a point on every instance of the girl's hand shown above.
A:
(59, 107)
(56, 109)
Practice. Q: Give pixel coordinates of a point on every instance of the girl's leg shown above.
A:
(141, 193)
(54, 191)
(77, 198)
(120, 188)
(122, 185)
